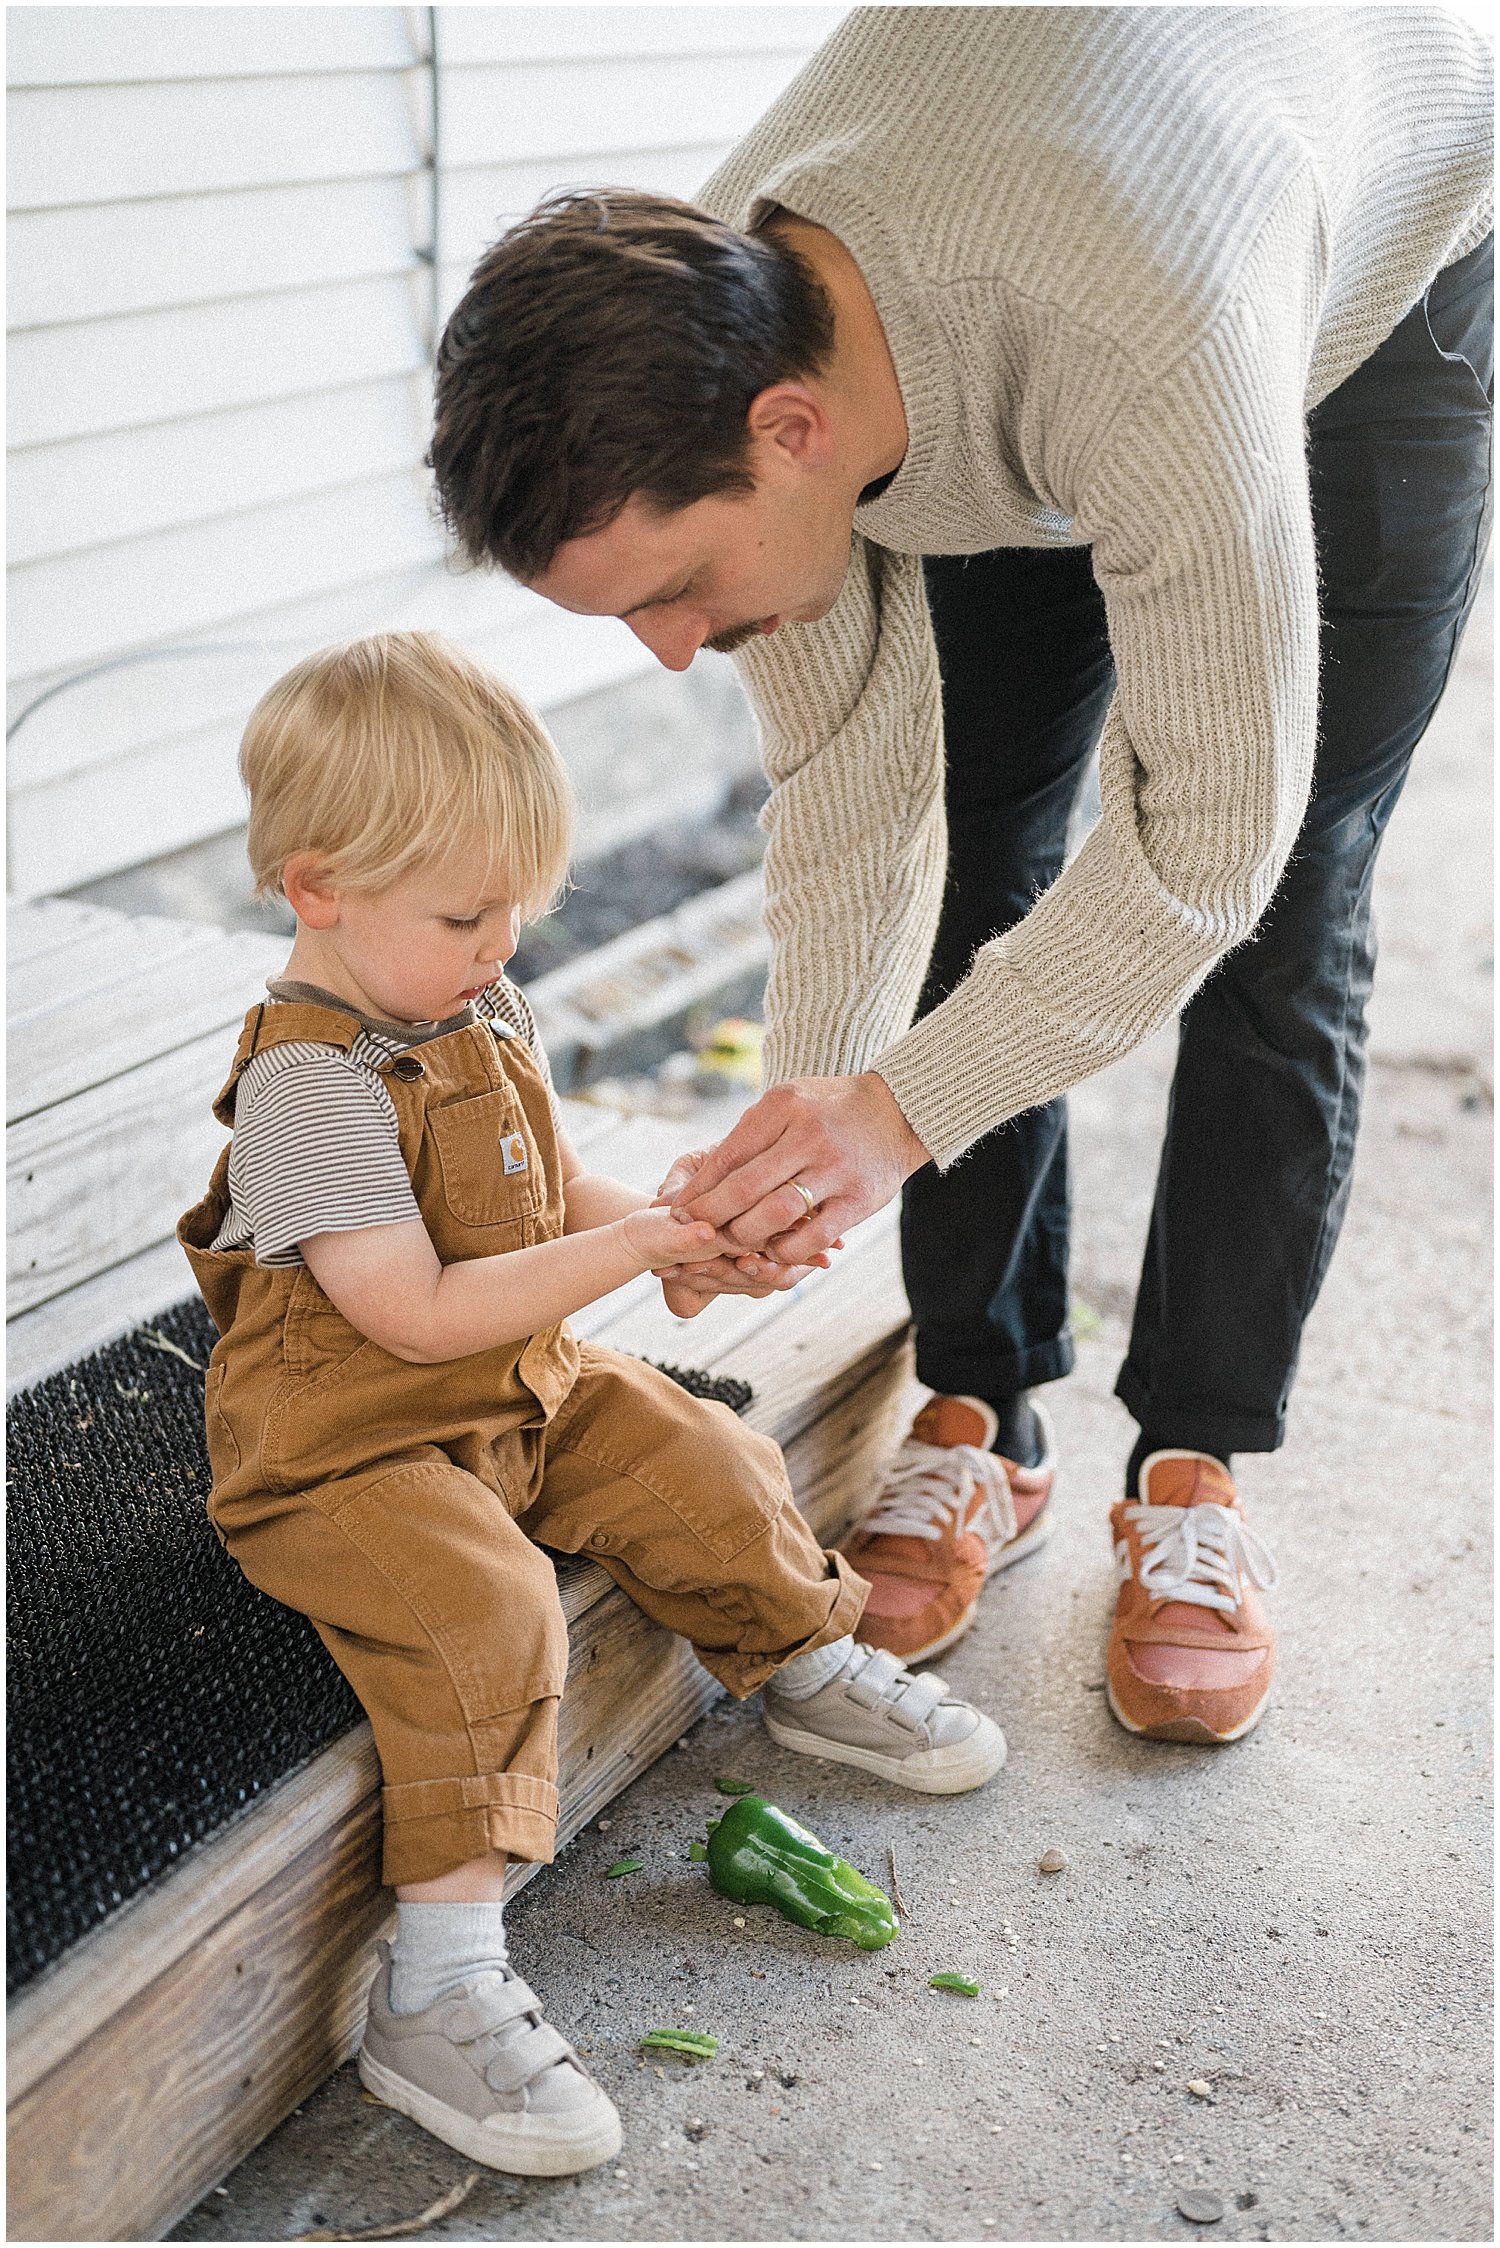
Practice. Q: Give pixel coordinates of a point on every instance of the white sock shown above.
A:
(806, 1674)
(439, 1945)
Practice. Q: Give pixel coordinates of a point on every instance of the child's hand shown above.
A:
(657, 1238)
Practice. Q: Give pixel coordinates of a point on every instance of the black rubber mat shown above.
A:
(153, 1693)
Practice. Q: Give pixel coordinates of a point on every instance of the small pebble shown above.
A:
(877, 2165)
(1200, 2208)
(996, 2129)
(604, 1825)
(681, 1744)
(738, 1921)
(1200, 2088)
(1053, 1861)
(619, 2173)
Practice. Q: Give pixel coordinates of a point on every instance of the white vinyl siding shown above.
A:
(220, 313)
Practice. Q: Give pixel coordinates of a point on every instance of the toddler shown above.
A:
(402, 1428)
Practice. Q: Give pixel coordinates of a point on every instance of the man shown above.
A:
(1125, 371)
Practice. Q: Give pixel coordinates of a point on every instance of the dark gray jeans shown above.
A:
(1259, 1145)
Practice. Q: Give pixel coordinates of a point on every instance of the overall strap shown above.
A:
(283, 1023)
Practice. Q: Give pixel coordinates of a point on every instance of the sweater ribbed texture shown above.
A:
(1118, 253)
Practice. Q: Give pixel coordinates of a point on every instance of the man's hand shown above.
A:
(687, 1289)
(842, 1138)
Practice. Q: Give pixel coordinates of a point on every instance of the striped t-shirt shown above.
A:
(316, 1146)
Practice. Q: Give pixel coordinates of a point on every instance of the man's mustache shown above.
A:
(725, 643)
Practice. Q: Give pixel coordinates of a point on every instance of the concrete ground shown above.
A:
(1300, 1922)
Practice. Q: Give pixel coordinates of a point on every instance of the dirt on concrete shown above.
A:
(1299, 1924)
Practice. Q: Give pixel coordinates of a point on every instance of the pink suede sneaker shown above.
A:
(950, 1513)
(1192, 1653)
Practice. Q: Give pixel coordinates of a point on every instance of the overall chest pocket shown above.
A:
(491, 1164)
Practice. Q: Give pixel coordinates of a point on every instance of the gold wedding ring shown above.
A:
(808, 1197)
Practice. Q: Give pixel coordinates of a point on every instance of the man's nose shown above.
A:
(673, 641)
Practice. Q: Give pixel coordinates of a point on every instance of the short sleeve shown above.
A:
(316, 1149)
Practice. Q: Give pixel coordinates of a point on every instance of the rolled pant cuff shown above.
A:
(432, 1826)
(1198, 1427)
(967, 1369)
(742, 1674)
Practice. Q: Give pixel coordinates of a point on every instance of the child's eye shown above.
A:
(454, 923)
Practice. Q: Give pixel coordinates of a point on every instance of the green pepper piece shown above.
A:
(698, 1853)
(734, 1787)
(694, 2043)
(623, 1865)
(965, 1985)
(759, 1856)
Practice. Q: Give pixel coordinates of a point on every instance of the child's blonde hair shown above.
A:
(388, 752)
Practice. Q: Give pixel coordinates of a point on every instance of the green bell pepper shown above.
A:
(759, 1856)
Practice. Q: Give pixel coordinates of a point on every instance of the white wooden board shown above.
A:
(168, 992)
(49, 926)
(178, 692)
(95, 261)
(500, 35)
(94, 1313)
(79, 607)
(518, 111)
(213, 468)
(101, 46)
(200, 359)
(103, 144)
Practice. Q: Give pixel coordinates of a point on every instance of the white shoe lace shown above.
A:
(930, 1488)
(1203, 1555)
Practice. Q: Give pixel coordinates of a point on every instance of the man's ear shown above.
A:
(790, 421)
(309, 889)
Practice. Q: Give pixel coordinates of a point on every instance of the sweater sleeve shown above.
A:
(1197, 508)
(851, 731)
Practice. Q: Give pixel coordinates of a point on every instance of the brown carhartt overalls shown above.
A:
(397, 1505)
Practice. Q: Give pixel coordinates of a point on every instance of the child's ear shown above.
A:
(307, 885)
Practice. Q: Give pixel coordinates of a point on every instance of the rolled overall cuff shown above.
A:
(432, 1826)
(743, 1673)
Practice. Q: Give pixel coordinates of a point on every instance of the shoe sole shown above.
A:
(1035, 1534)
(1187, 1728)
(969, 1763)
(558, 2155)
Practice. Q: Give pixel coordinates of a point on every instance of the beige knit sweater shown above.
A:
(1117, 253)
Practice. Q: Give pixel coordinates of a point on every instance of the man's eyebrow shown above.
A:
(655, 600)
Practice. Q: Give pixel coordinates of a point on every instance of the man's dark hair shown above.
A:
(611, 344)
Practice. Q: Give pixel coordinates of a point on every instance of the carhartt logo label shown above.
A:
(513, 1153)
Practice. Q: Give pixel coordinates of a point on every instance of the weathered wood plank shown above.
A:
(96, 1312)
(82, 1199)
(125, 2135)
(123, 2113)
(42, 925)
(160, 985)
